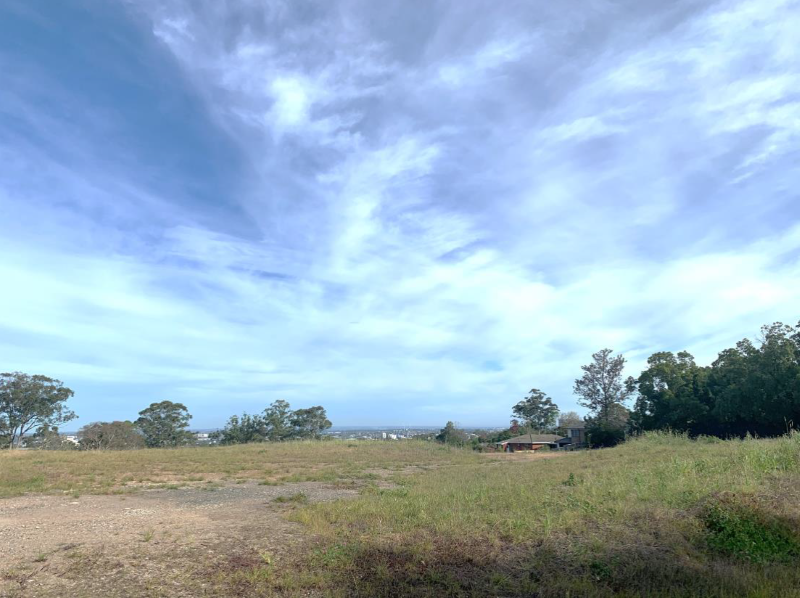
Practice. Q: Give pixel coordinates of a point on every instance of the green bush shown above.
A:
(740, 528)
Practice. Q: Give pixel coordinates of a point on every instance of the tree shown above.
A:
(49, 439)
(673, 393)
(164, 424)
(568, 419)
(750, 388)
(451, 435)
(537, 410)
(116, 435)
(601, 388)
(277, 422)
(31, 403)
(610, 430)
(243, 430)
(277, 418)
(309, 423)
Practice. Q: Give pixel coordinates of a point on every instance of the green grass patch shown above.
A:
(741, 527)
(646, 518)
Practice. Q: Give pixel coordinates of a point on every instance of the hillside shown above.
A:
(661, 515)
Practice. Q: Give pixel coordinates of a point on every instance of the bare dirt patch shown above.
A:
(151, 543)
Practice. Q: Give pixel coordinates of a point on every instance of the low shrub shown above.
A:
(741, 527)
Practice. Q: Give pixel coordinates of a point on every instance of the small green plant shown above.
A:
(40, 558)
(298, 498)
(148, 535)
(739, 528)
(571, 480)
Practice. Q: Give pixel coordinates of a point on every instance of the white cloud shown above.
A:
(432, 236)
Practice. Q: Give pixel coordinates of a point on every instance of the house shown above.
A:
(576, 435)
(529, 442)
(575, 438)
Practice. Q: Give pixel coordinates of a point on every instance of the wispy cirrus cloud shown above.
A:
(401, 214)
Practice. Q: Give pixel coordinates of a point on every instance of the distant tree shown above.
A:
(514, 428)
(116, 435)
(29, 403)
(309, 423)
(277, 422)
(601, 388)
(242, 430)
(49, 439)
(277, 418)
(568, 419)
(164, 424)
(537, 410)
(451, 435)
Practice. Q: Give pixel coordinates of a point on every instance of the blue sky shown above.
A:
(397, 210)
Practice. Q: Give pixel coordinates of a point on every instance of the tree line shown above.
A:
(33, 407)
(752, 388)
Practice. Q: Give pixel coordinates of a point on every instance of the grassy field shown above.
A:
(103, 472)
(661, 515)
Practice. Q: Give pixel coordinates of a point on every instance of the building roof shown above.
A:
(533, 439)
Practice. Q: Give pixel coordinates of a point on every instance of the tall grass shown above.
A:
(631, 519)
(514, 500)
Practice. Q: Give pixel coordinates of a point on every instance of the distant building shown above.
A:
(576, 436)
(529, 442)
(392, 436)
(383, 435)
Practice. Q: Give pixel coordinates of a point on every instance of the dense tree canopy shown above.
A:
(537, 411)
(31, 403)
(277, 422)
(165, 424)
(309, 423)
(748, 389)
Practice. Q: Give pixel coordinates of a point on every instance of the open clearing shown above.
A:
(660, 516)
(148, 543)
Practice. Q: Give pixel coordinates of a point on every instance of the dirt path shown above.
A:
(130, 545)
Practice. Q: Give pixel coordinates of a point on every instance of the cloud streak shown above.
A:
(416, 216)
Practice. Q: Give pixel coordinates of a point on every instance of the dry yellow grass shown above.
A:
(116, 471)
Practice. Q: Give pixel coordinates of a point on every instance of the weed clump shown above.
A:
(297, 498)
(741, 528)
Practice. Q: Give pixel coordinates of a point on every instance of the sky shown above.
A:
(405, 211)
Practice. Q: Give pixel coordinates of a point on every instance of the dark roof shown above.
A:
(533, 439)
(578, 427)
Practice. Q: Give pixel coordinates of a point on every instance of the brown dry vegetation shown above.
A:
(120, 471)
(659, 516)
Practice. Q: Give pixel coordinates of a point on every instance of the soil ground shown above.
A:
(154, 542)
